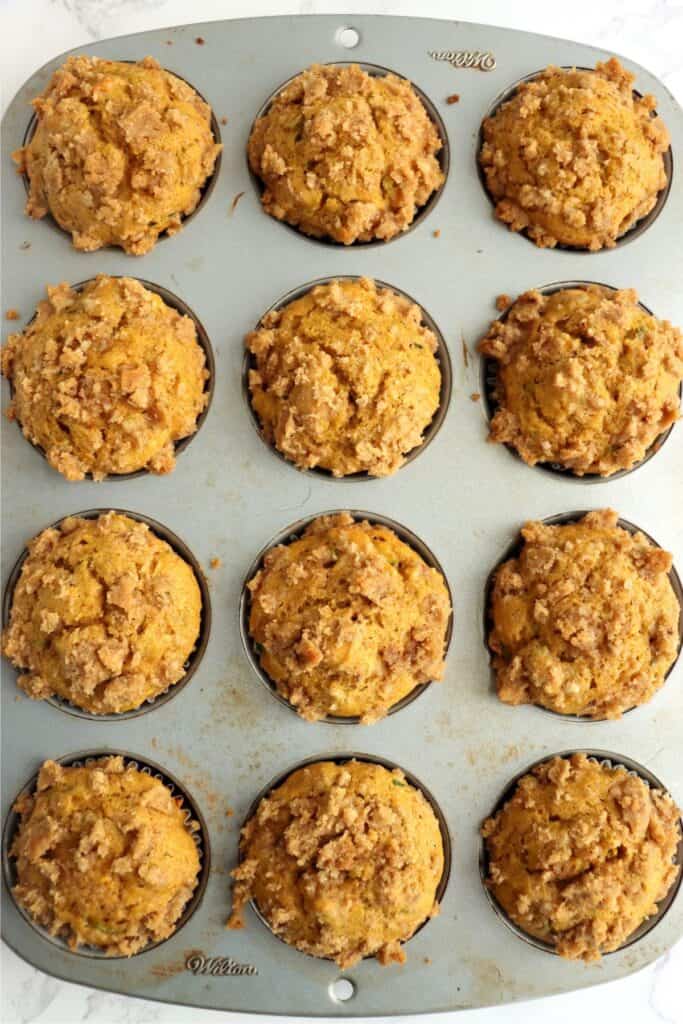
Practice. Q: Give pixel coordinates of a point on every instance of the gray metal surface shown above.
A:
(224, 736)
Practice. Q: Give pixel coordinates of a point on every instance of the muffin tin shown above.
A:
(223, 736)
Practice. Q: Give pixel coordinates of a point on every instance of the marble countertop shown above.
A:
(647, 31)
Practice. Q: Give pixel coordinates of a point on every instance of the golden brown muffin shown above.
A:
(104, 614)
(105, 856)
(574, 157)
(581, 854)
(343, 861)
(345, 155)
(106, 379)
(346, 378)
(585, 620)
(347, 619)
(586, 378)
(120, 152)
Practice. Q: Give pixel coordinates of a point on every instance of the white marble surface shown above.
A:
(647, 31)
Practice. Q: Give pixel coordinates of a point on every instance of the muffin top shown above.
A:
(106, 379)
(585, 620)
(343, 861)
(581, 854)
(104, 856)
(575, 157)
(120, 152)
(104, 614)
(347, 619)
(346, 155)
(346, 378)
(586, 378)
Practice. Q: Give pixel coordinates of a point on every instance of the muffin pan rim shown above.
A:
(601, 757)
(178, 545)
(192, 813)
(288, 535)
(442, 356)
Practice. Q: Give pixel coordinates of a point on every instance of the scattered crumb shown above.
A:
(215, 563)
(475, 396)
(465, 353)
(453, 98)
(224, 120)
(18, 697)
(12, 314)
(229, 812)
(428, 960)
(502, 302)
(437, 233)
(25, 245)
(233, 205)
(199, 41)
(154, 742)
(169, 42)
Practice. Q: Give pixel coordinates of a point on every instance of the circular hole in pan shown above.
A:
(489, 380)
(193, 662)
(340, 759)
(515, 549)
(205, 191)
(292, 533)
(442, 356)
(204, 343)
(189, 807)
(602, 757)
(633, 232)
(443, 156)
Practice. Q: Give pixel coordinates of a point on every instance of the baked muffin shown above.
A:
(106, 379)
(586, 378)
(347, 619)
(120, 152)
(343, 861)
(104, 615)
(346, 378)
(104, 856)
(345, 155)
(581, 854)
(585, 620)
(575, 157)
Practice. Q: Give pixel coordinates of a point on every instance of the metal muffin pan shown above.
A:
(223, 736)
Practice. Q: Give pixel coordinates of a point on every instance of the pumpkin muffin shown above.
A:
(120, 152)
(104, 615)
(585, 620)
(581, 854)
(346, 378)
(346, 155)
(342, 861)
(586, 378)
(575, 157)
(347, 619)
(106, 379)
(104, 856)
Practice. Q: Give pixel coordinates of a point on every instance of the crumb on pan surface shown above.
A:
(346, 378)
(348, 619)
(104, 856)
(585, 620)
(575, 157)
(120, 152)
(104, 615)
(343, 862)
(106, 379)
(581, 854)
(586, 378)
(346, 155)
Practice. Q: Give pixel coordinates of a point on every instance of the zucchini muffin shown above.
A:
(346, 378)
(586, 378)
(346, 155)
(343, 862)
(104, 615)
(585, 620)
(347, 619)
(106, 379)
(120, 152)
(575, 157)
(581, 854)
(104, 856)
